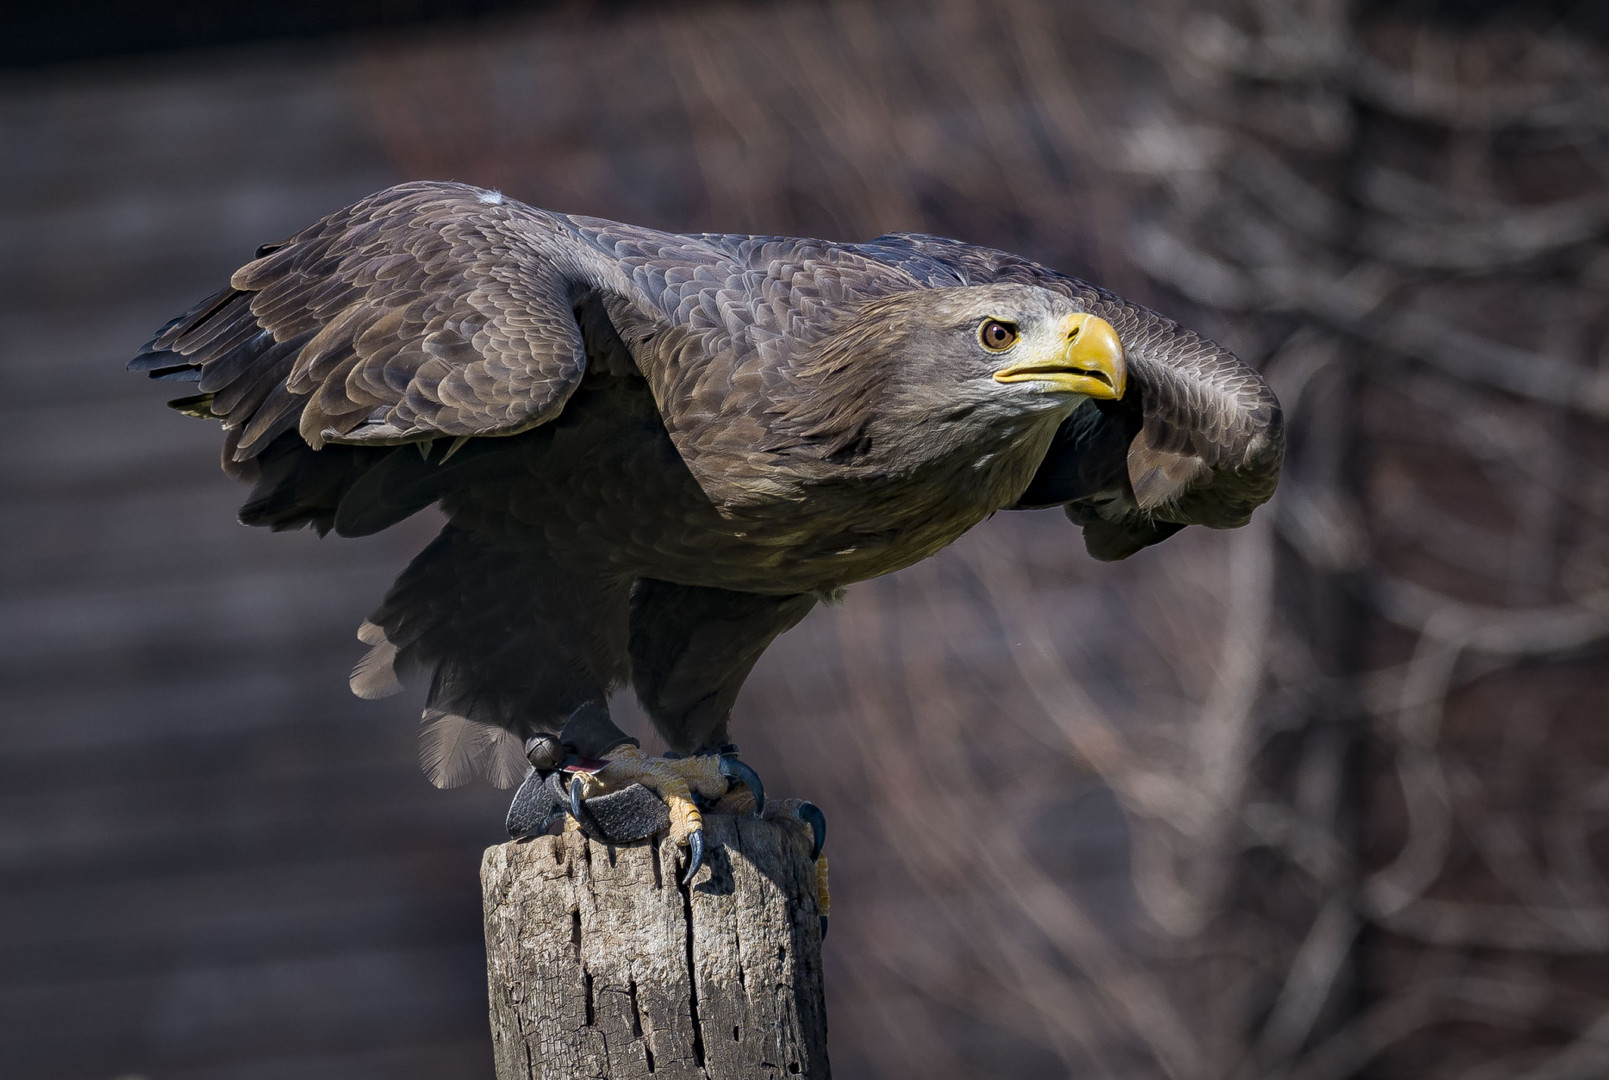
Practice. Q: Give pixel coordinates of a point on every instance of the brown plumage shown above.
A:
(657, 451)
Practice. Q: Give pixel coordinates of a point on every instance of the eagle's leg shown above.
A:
(691, 648)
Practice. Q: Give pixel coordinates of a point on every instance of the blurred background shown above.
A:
(1326, 797)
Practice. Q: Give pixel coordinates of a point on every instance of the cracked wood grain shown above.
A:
(600, 965)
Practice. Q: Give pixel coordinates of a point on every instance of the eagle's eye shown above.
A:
(997, 336)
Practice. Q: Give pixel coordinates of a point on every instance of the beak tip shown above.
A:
(1099, 348)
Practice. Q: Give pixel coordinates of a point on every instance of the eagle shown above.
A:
(656, 452)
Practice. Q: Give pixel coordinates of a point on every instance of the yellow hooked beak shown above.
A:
(1088, 361)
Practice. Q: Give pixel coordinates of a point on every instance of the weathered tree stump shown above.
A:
(601, 965)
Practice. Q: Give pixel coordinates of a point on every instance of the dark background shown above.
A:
(1323, 797)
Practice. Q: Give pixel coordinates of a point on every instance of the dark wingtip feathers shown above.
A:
(157, 358)
(160, 363)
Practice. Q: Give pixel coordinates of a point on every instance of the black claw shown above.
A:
(695, 855)
(734, 768)
(823, 928)
(575, 798)
(811, 814)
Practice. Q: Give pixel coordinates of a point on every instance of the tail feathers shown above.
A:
(376, 674)
(513, 644)
(453, 749)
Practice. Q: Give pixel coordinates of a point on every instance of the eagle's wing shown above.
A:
(438, 309)
(1197, 440)
(421, 311)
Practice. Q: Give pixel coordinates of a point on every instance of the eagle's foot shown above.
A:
(794, 813)
(616, 801)
(631, 797)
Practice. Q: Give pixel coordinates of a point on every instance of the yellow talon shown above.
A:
(685, 819)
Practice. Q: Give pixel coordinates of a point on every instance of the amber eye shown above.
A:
(997, 336)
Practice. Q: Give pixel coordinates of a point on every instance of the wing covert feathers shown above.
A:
(427, 309)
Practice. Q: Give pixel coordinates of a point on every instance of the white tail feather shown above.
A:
(375, 676)
(507, 764)
(453, 748)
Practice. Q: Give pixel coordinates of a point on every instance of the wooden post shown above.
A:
(601, 965)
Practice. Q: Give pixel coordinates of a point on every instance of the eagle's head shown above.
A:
(931, 370)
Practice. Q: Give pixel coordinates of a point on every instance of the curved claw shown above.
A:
(811, 815)
(735, 769)
(695, 855)
(575, 797)
(823, 928)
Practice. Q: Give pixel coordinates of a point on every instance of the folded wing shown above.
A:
(425, 310)
(1197, 440)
